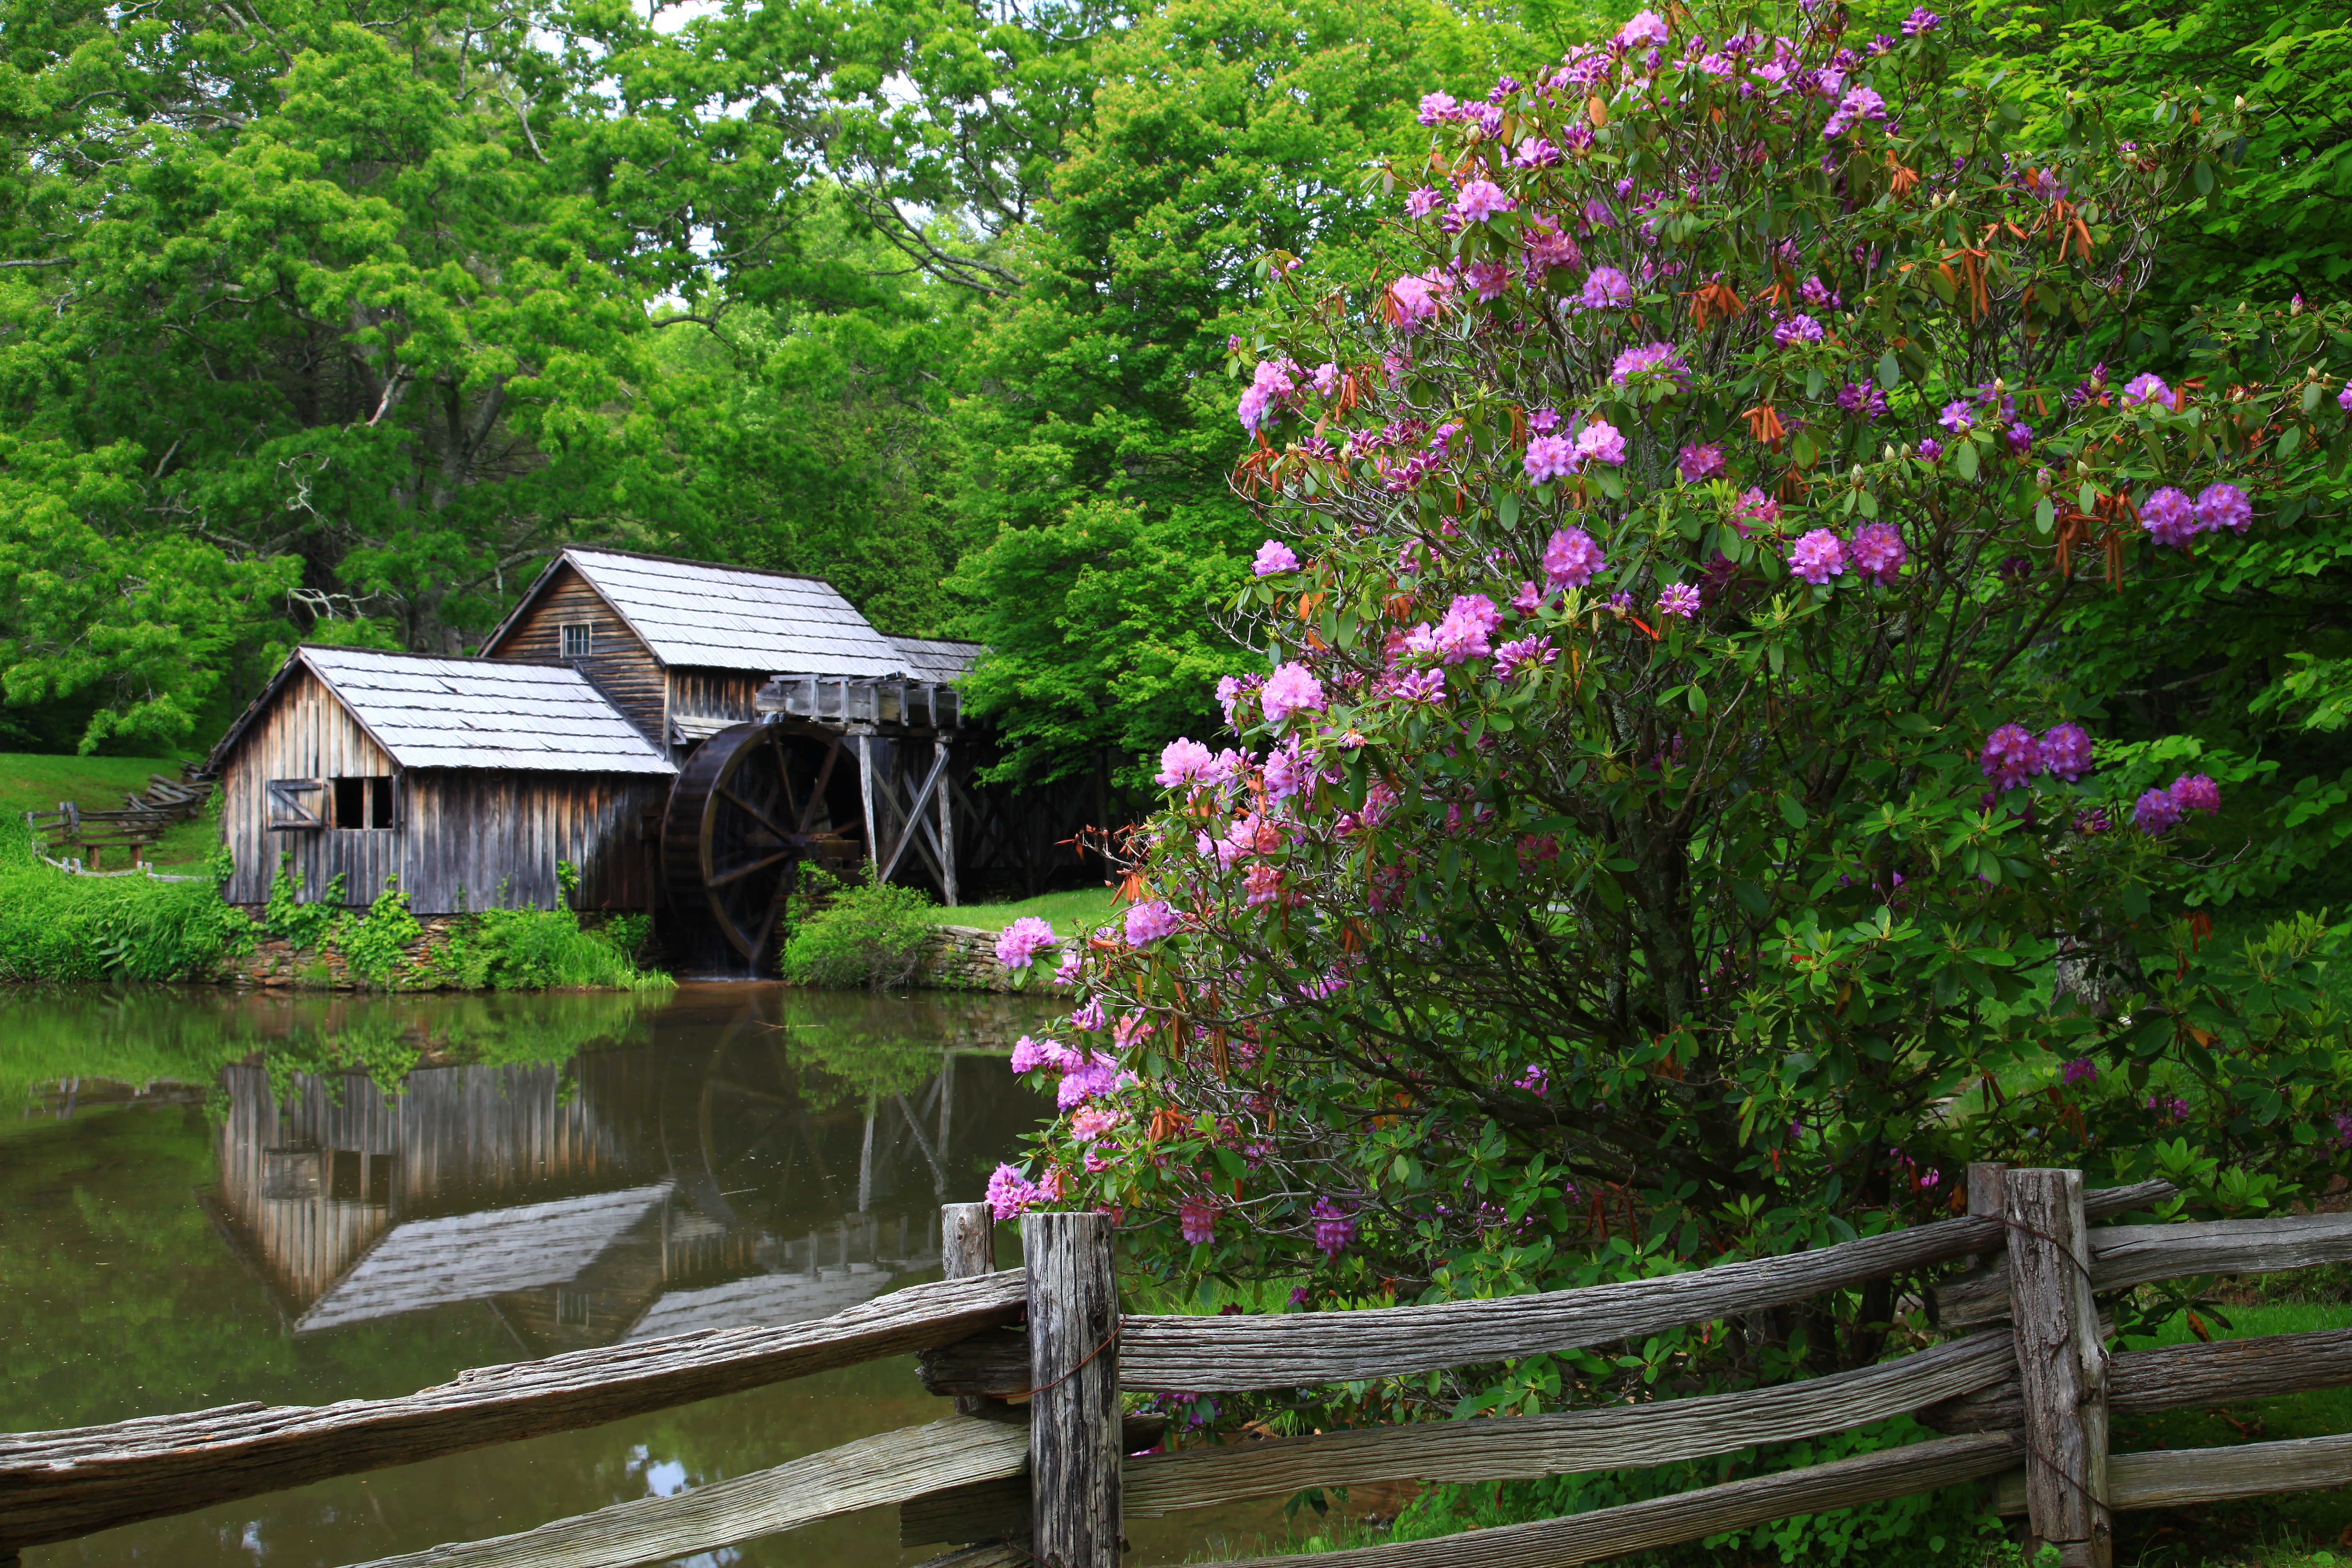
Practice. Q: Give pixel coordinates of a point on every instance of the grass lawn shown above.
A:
(1081, 908)
(30, 783)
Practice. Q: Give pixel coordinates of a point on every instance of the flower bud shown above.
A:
(2044, 478)
(1886, 453)
(1854, 479)
(2242, 101)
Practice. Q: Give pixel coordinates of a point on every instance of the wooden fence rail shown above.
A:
(2027, 1401)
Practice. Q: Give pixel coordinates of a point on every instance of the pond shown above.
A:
(208, 1197)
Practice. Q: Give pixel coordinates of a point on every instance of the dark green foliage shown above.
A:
(854, 934)
(533, 950)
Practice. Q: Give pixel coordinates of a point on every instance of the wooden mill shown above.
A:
(685, 735)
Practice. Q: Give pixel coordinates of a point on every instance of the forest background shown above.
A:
(332, 319)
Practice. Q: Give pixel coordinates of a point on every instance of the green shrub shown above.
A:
(530, 950)
(57, 926)
(849, 934)
(373, 945)
(305, 926)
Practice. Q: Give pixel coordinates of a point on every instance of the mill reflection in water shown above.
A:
(742, 1169)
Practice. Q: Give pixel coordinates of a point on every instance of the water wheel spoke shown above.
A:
(737, 875)
(770, 823)
(729, 1086)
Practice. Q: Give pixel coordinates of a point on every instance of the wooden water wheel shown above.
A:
(750, 803)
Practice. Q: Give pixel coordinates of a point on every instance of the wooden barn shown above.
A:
(688, 735)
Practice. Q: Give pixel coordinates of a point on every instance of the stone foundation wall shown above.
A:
(963, 957)
(274, 965)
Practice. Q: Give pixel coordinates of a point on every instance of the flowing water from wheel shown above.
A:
(209, 1197)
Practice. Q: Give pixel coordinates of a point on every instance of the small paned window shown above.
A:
(362, 801)
(578, 640)
(571, 1308)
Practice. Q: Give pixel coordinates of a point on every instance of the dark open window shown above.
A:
(578, 640)
(362, 801)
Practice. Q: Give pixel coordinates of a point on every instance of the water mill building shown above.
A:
(684, 735)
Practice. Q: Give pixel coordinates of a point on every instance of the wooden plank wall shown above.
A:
(491, 840)
(306, 734)
(460, 1140)
(620, 666)
(727, 694)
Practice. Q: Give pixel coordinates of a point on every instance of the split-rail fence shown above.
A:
(1037, 1466)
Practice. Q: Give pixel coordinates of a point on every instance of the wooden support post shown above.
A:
(967, 1246)
(946, 828)
(1074, 1491)
(2062, 1365)
(1984, 1193)
(866, 793)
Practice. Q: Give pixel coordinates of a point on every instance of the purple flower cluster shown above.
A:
(1862, 397)
(1877, 553)
(2013, 756)
(1273, 557)
(1679, 599)
(2158, 811)
(1335, 1228)
(1571, 559)
(1650, 364)
(1818, 556)
(1799, 329)
(2147, 388)
(1198, 1219)
(1291, 689)
(1550, 458)
(1607, 289)
(1018, 944)
(1859, 103)
(2172, 520)
(1524, 653)
(1010, 1192)
(2082, 1070)
(1602, 441)
(1149, 922)
(1700, 460)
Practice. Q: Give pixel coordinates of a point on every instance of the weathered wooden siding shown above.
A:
(619, 665)
(491, 840)
(457, 1141)
(727, 695)
(306, 734)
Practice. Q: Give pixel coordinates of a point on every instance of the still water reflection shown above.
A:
(209, 1198)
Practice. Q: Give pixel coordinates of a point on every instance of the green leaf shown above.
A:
(2045, 515)
(1965, 459)
(1792, 811)
(1890, 370)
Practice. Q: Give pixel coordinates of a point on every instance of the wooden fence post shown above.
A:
(1984, 1193)
(967, 1246)
(2062, 1365)
(1074, 1492)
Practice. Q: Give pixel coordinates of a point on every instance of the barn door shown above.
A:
(297, 803)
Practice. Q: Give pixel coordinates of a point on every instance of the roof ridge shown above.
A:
(444, 658)
(690, 561)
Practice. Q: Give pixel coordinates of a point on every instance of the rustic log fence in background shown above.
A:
(2026, 1404)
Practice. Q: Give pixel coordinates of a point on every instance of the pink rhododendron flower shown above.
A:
(1263, 882)
(2144, 388)
(1818, 556)
(1275, 380)
(1183, 762)
(1421, 685)
(1067, 972)
(1649, 364)
(1147, 923)
(1010, 1192)
(1600, 440)
(1197, 1220)
(1796, 330)
(1606, 288)
(2011, 756)
(1029, 1055)
(1877, 553)
(2066, 750)
(1285, 773)
(1275, 556)
(2197, 792)
(1513, 657)
(2225, 506)
(1700, 460)
(1550, 458)
(1679, 599)
(1415, 300)
(2155, 813)
(2344, 399)
(1920, 23)
(1436, 107)
(1291, 689)
(1572, 558)
(1327, 378)
(1423, 201)
(1463, 634)
(1756, 510)
(1646, 27)
(1018, 944)
(1859, 103)
(1960, 416)
(1094, 1121)
(1480, 200)
(2082, 1070)
(2169, 517)
(1335, 1228)
(1088, 1018)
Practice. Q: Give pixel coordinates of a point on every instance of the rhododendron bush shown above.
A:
(1667, 800)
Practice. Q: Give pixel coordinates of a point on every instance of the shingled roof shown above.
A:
(730, 618)
(469, 713)
(935, 658)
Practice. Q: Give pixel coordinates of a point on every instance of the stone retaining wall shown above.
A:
(963, 957)
(272, 963)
